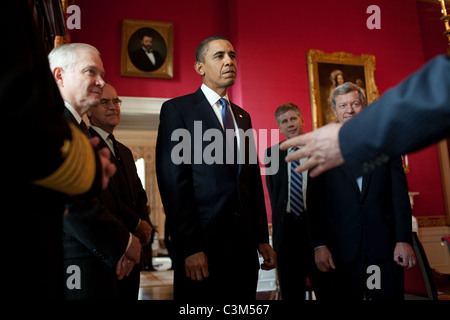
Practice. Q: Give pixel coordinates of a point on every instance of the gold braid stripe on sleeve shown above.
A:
(77, 173)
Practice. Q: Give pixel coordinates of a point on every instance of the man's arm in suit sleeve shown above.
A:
(269, 177)
(315, 204)
(408, 117)
(257, 194)
(94, 226)
(142, 202)
(175, 183)
(401, 202)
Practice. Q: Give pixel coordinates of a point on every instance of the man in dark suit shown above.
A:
(125, 197)
(146, 58)
(392, 126)
(95, 242)
(215, 207)
(361, 227)
(295, 257)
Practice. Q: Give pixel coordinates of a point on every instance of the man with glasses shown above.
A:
(98, 248)
(125, 197)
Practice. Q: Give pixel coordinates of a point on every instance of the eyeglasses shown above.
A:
(105, 103)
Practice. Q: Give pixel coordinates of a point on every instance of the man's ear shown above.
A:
(198, 66)
(58, 73)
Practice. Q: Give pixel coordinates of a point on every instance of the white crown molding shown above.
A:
(141, 105)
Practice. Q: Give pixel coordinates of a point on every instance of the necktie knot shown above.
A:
(112, 138)
(84, 128)
(115, 147)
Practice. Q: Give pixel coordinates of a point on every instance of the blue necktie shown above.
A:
(296, 197)
(228, 124)
(227, 118)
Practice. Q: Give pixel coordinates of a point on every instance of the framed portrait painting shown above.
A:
(147, 49)
(328, 70)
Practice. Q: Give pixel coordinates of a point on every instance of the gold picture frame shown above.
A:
(135, 62)
(322, 67)
(444, 161)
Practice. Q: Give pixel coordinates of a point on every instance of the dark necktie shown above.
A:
(228, 124)
(84, 128)
(296, 198)
(114, 143)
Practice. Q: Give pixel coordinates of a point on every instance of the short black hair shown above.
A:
(203, 47)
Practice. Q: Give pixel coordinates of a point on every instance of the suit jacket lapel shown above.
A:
(69, 116)
(350, 176)
(283, 175)
(241, 123)
(202, 107)
(128, 168)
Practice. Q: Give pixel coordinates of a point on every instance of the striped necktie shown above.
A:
(296, 195)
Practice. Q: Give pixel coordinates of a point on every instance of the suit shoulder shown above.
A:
(241, 110)
(184, 98)
(121, 145)
(273, 148)
(179, 102)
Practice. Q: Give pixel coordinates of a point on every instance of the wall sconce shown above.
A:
(405, 163)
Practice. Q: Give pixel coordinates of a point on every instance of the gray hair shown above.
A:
(65, 56)
(345, 88)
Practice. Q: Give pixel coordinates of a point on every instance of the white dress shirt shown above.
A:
(213, 99)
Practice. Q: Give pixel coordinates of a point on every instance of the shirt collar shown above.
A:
(101, 132)
(74, 112)
(211, 95)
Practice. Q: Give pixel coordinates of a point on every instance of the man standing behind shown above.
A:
(216, 211)
(295, 257)
(357, 222)
(94, 240)
(125, 197)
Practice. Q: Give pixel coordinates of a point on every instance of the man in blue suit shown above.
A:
(215, 209)
(361, 222)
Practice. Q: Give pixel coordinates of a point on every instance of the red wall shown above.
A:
(271, 39)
